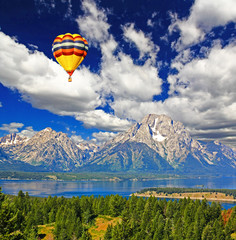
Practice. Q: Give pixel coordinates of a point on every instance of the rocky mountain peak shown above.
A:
(169, 138)
(163, 127)
(150, 118)
(48, 134)
(12, 139)
(49, 148)
(155, 143)
(47, 131)
(156, 129)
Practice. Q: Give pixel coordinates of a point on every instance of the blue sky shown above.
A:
(165, 57)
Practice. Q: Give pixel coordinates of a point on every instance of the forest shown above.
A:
(71, 176)
(141, 218)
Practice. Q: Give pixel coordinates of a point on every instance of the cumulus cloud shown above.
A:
(11, 127)
(203, 93)
(142, 41)
(224, 135)
(127, 80)
(150, 21)
(204, 16)
(136, 110)
(28, 132)
(121, 77)
(93, 24)
(77, 139)
(102, 120)
(43, 82)
(102, 137)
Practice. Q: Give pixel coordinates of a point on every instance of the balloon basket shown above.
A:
(69, 79)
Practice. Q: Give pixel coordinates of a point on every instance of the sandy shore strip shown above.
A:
(215, 196)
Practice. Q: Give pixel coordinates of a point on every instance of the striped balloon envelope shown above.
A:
(69, 50)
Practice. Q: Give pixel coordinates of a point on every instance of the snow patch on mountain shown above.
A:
(12, 139)
(208, 161)
(156, 134)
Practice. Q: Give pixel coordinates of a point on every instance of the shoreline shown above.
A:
(211, 199)
(109, 179)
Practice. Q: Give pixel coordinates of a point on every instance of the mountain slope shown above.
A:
(7, 164)
(156, 144)
(172, 143)
(49, 149)
(129, 156)
(12, 139)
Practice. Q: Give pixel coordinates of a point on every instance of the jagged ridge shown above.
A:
(157, 143)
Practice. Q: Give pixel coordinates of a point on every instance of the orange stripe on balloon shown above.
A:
(78, 51)
(68, 51)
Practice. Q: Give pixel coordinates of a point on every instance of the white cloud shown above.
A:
(206, 93)
(93, 25)
(77, 139)
(205, 87)
(214, 74)
(142, 41)
(97, 137)
(44, 5)
(28, 132)
(136, 110)
(43, 82)
(121, 78)
(0, 104)
(53, 5)
(102, 120)
(102, 137)
(32, 46)
(11, 127)
(150, 21)
(69, 8)
(202, 95)
(204, 16)
(124, 79)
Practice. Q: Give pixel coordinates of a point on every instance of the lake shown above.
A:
(103, 188)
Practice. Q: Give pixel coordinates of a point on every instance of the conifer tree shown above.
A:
(108, 234)
(168, 230)
(207, 233)
(159, 233)
(86, 235)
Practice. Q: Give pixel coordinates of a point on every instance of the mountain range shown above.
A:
(156, 144)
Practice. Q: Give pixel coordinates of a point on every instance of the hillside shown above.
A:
(133, 218)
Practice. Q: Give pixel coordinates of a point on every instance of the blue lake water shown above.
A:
(103, 188)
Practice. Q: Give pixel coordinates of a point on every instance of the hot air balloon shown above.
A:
(69, 50)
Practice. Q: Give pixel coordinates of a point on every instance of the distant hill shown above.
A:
(156, 144)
